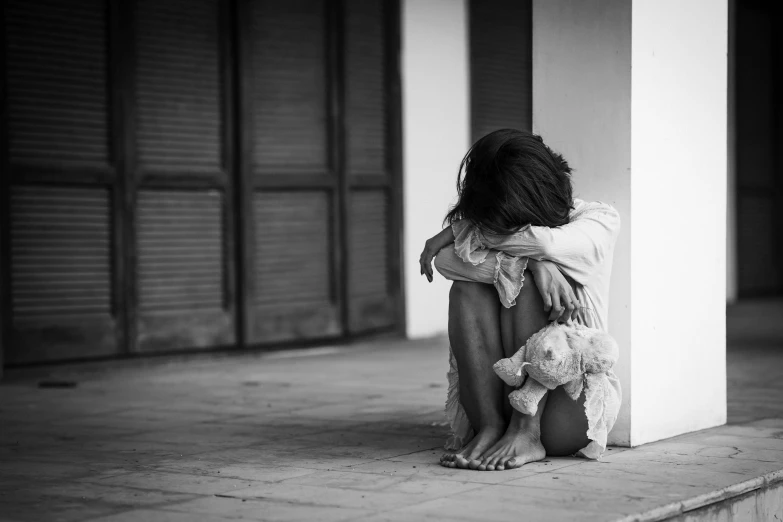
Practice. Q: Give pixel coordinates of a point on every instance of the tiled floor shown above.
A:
(333, 434)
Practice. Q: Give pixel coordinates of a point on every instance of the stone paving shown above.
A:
(347, 433)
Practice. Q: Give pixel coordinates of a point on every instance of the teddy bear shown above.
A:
(557, 355)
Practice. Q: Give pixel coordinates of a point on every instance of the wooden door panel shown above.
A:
(366, 121)
(62, 303)
(178, 86)
(184, 262)
(293, 205)
(289, 96)
(61, 274)
(758, 270)
(759, 161)
(293, 290)
(371, 305)
(372, 241)
(181, 271)
(57, 82)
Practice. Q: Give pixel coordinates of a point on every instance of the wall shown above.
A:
(435, 110)
(582, 108)
(678, 191)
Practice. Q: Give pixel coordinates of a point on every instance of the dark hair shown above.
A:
(509, 179)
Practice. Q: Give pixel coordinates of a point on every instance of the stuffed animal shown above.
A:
(557, 355)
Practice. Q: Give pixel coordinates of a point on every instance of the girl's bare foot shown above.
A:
(469, 456)
(516, 448)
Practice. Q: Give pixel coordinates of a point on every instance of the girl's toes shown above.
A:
(462, 462)
(514, 463)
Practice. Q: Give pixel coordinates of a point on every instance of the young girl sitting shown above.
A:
(515, 222)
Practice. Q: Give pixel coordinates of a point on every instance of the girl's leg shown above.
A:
(474, 333)
(559, 426)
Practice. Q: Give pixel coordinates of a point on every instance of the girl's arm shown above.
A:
(431, 248)
(577, 247)
(505, 272)
(452, 267)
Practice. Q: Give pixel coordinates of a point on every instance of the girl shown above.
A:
(516, 221)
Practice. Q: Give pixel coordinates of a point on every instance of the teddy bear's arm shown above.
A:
(511, 369)
(525, 399)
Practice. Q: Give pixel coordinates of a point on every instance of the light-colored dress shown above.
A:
(583, 251)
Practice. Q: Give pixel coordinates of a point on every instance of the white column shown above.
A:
(678, 194)
(634, 95)
(436, 134)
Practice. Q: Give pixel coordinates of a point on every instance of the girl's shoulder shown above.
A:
(599, 211)
(581, 206)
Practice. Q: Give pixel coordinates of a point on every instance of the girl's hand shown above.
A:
(431, 248)
(559, 298)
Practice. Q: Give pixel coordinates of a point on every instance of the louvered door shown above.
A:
(183, 224)
(61, 182)
(291, 202)
(136, 166)
(500, 65)
(322, 256)
(372, 240)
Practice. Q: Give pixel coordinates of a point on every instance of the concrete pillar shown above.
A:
(634, 95)
(436, 134)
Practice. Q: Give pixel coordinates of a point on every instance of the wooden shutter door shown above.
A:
(183, 225)
(373, 266)
(500, 65)
(62, 181)
(759, 160)
(291, 199)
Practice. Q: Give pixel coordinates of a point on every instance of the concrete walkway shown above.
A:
(350, 433)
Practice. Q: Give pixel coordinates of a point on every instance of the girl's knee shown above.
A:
(468, 292)
(526, 317)
(529, 297)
